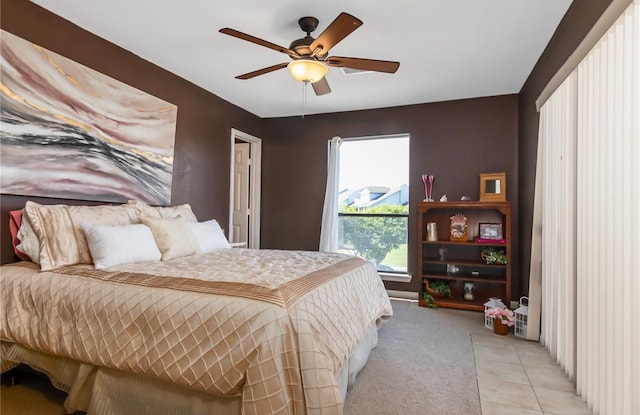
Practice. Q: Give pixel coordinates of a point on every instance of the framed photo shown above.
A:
(493, 187)
(458, 228)
(490, 231)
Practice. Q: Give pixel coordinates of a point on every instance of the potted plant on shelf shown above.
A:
(435, 289)
(493, 256)
(503, 318)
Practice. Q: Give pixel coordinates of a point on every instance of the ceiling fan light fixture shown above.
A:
(307, 70)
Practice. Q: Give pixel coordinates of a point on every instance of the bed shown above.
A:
(215, 331)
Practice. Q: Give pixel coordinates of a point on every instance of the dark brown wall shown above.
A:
(202, 146)
(455, 141)
(576, 23)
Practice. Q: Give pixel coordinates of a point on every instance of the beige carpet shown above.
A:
(423, 365)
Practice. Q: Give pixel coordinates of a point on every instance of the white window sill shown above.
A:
(403, 295)
(387, 276)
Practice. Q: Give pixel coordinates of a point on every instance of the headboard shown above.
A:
(13, 202)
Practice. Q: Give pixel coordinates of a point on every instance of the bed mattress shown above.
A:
(273, 328)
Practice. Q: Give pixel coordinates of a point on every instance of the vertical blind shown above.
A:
(608, 252)
(590, 196)
(558, 150)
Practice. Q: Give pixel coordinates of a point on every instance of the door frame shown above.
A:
(255, 151)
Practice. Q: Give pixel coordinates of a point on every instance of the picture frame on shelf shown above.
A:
(458, 228)
(493, 187)
(490, 231)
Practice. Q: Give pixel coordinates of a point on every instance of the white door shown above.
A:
(244, 189)
(241, 207)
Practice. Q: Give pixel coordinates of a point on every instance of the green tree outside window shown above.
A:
(373, 238)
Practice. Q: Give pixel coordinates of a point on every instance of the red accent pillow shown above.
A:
(15, 221)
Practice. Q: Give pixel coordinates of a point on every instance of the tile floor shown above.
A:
(517, 376)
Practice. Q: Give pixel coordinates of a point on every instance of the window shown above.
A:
(374, 200)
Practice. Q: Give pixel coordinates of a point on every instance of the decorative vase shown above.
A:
(469, 291)
(499, 328)
(432, 232)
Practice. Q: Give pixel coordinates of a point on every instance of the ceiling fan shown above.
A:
(310, 56)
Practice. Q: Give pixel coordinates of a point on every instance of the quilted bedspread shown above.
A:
(272, 326)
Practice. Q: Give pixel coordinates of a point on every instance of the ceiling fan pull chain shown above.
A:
(304, 96)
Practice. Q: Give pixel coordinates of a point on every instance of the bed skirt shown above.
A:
(103, 391)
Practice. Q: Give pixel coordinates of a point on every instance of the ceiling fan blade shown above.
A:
(258, 41)
(341, 27)
(321, 87)
(363, 64)
(262, 71)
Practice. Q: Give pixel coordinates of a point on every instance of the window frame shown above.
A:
(396, 276)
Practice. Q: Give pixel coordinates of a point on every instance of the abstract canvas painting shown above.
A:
(70, 132)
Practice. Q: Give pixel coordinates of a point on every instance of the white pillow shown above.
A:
(123, 244)
(209, 235)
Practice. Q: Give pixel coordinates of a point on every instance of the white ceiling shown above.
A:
(447, 49)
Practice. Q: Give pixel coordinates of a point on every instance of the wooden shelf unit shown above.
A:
(491, 280)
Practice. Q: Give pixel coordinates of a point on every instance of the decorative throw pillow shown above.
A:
(58, 228)
(124, 244)
(209, 235)
(15, 223)
(158, 212)
(173, 236)
(29, 243)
